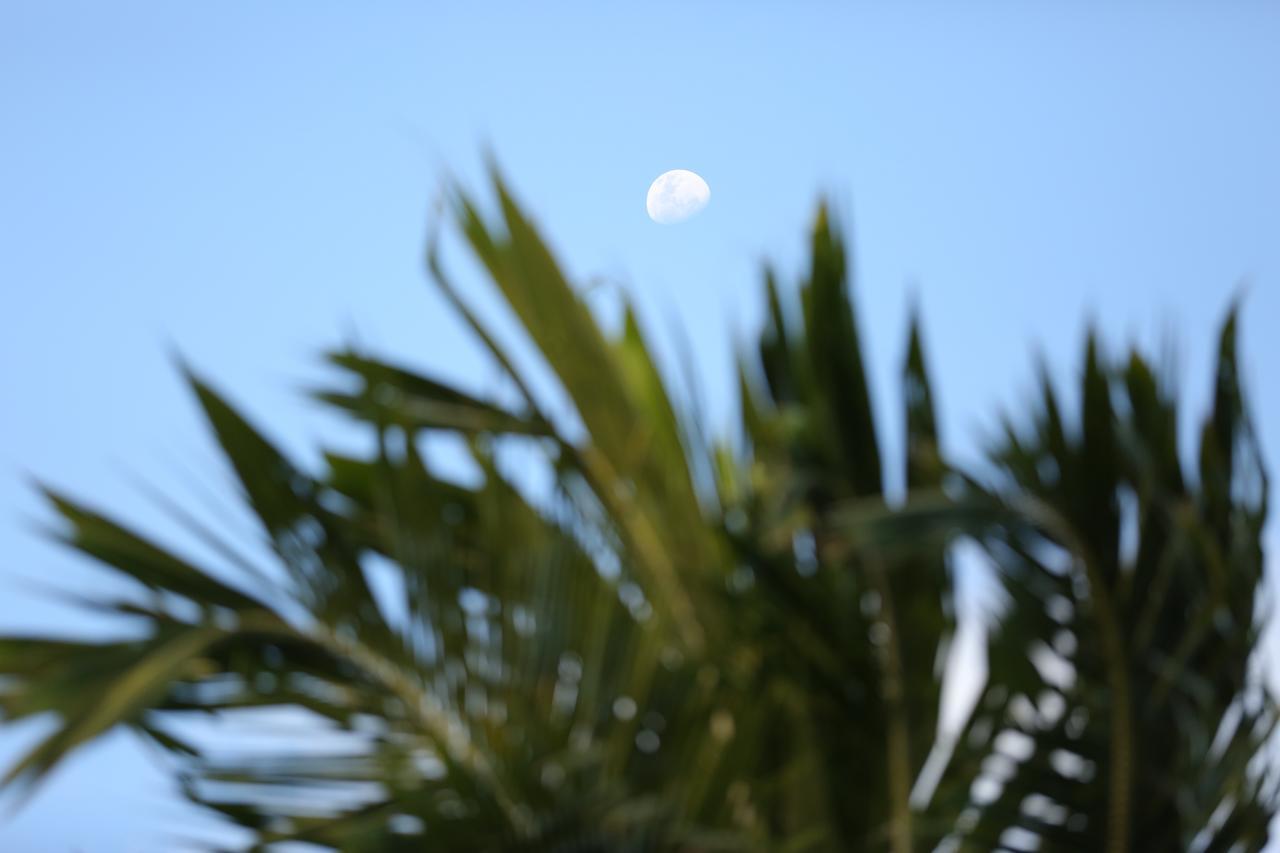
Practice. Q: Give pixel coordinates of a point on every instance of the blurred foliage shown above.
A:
(696, 645)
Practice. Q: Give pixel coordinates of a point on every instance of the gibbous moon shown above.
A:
(675, 196)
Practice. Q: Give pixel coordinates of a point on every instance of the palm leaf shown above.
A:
(634, 659)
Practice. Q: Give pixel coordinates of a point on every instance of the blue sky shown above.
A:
(248, 183)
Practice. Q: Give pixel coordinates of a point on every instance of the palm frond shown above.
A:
(600, 649)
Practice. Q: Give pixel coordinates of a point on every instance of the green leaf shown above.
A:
(835, 359)
(121, 699)
(141, 560)
(393, 395)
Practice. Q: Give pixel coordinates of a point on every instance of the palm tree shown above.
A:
(646, 639)
(1132, 625)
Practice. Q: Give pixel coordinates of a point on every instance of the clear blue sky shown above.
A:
(250, 182)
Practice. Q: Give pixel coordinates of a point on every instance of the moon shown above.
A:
(675, 196)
